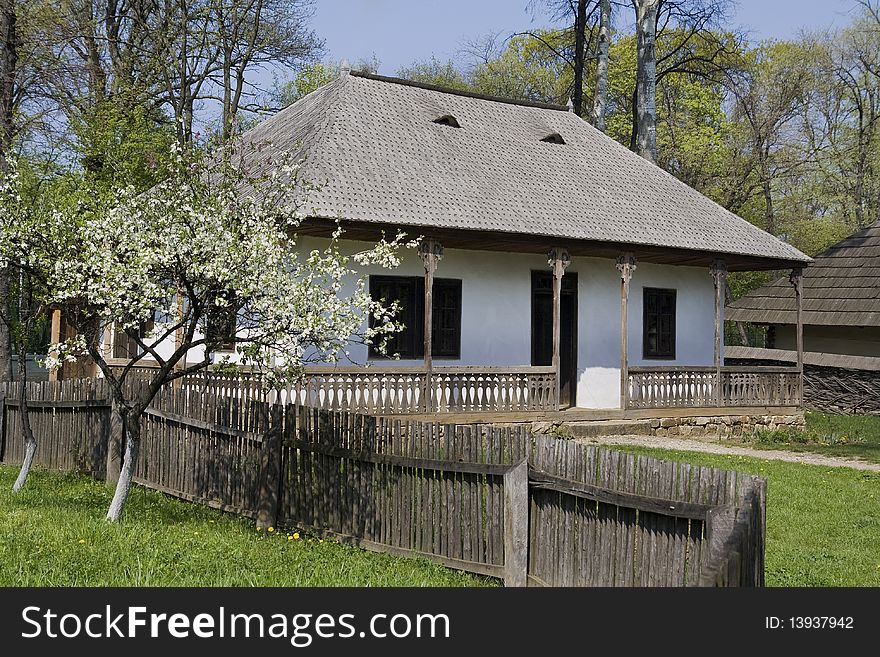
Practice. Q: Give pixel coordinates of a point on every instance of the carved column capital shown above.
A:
(431, 252)
(718, 271)
(558, 259)
(626, 265)
(795, 278)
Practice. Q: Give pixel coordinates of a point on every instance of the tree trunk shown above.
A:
(634, 119)
(30, 442)
(5, 336)
(580, 37)
(600, 101)
(115, 442)
(646, 78)
(8, 69)
(768, 204)
(132, 451)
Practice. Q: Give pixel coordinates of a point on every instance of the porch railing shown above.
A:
(404, 390)
(386, 390)
(696, 387)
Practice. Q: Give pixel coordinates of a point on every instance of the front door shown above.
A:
(542, 330)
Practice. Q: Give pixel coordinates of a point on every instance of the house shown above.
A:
(542, 237)
(841, 324)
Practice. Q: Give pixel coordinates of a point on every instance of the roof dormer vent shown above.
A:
(554, 138)
(448, 119)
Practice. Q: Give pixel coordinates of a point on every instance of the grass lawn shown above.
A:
(823, 524)
(53, 534)
(854, 436)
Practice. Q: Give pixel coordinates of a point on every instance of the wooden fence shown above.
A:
(497, 501)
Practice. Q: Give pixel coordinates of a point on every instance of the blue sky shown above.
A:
(401, 31)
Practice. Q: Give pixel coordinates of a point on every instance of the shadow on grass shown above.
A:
(77, 493)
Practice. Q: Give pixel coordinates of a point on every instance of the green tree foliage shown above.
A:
(433, 71)
(121, 144)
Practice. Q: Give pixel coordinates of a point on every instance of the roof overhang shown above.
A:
(481, 240)
(809, 318)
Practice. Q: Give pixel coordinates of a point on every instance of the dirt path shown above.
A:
(718, 448)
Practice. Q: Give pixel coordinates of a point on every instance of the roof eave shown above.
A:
(482, 240)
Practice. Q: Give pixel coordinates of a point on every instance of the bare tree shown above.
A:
(254, 33)
(693, 45)
(600, 98)
(646, 78)
(579, 16)
(768, 103)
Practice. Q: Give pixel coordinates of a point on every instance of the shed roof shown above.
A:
(373, 148)
(841, 288)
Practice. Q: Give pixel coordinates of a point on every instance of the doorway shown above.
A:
(542, 331)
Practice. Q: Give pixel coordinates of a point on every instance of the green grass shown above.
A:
(852, 436)
(53, 533)
(823, 524)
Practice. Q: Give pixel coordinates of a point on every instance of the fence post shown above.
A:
(516, 524)
(2, 424)
(270, 469)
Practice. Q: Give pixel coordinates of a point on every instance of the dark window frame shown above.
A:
(226, 338)
(410, 343)
(659, 320)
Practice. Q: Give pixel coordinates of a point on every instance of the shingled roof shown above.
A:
(385, 151)
(840, 288)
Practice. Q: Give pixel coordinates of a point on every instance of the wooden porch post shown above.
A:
(795, 280)
(431, 251)
(55, 338)
(558, 259)
(626, 265)
(718, 270)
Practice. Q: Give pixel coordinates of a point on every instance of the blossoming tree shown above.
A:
(214, 245)
(31, 238)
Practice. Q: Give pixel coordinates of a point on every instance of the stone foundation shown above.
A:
(724, 426)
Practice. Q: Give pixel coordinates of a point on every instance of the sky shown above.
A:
(400, 32)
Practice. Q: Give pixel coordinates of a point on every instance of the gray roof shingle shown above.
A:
(841, 288)
(372, 147)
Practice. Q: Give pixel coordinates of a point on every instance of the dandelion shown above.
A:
(271, 529)
(295, 536)
(289, 537)
(81, 541)
(259, 528)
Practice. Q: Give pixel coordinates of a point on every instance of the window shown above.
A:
(554, 138)
(221, 325)
(448, 119)
(125, 346)
(446, 319)
(409, 292)
(659, 323)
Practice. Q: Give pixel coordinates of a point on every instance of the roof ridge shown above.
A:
(458, 92)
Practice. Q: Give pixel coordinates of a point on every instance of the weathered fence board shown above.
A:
(492, 500)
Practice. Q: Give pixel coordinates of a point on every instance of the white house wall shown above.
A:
(496, 313)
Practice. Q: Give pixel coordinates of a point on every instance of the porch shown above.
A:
(542, 385)
(519, 394)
